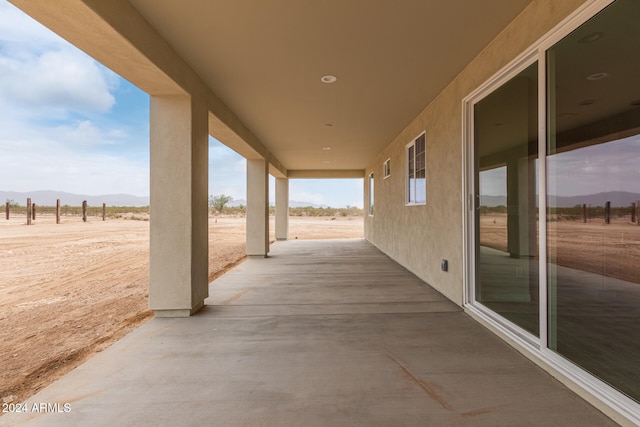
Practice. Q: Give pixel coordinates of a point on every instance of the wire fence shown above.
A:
(584, 213)
(32, 211)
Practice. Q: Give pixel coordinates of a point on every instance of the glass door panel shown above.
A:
(593, 179)
(506, 243)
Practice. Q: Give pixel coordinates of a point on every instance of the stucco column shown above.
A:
(257, 208)
(178, 265)
(282, 208)
(521, 226)
(513, 207)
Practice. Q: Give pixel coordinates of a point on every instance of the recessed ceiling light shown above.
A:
(597, 76)
(326, 148)
(328, 79)
(329, 125)
(590, 38)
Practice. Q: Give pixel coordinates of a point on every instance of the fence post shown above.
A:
(57, 211)
(7, 208)
(584, 213)
(84, 210)
(33, 211)
(104, 211)
(638, 213)
(607, 212)
(633, 212)
(28, 210)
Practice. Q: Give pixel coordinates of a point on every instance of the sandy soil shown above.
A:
(70, 290)
(611, 250)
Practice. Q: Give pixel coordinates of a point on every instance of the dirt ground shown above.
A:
(70, 290)
(611, 250)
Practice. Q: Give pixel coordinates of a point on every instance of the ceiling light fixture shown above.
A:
(326, 148)
(328, 79)
(590, 38)
(329, 125)
(597, 76)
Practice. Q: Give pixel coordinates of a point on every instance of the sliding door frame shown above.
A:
(536, 348)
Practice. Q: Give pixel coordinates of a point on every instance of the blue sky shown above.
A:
(69, 124)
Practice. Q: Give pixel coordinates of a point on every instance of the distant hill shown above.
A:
(617, 199)
(297, 204)
(292, 204)
(493, 201)
(48, 198)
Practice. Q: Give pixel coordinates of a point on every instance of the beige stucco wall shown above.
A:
(419, 237)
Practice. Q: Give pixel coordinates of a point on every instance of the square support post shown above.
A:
(178, 265)
(282, 208)
(257, 208)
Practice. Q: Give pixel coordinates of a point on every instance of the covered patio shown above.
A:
(337, 333)
(326, 333)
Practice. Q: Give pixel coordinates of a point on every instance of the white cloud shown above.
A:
(227, 171)
(240, 166)
(305, 196)
(21, 32)
(612, 166)
(229, 191)
(217, 150)
(116, 134)
(60, 80)
(85, 133)
(45, 163)
(43, 74)
(493, 182)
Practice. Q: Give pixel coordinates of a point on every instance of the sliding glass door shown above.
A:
(553, 225)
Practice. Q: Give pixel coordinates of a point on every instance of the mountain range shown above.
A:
(48, 198)
(617, 199)
(292, 204)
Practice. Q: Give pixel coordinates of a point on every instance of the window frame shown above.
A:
(386, 168)
(370, 193)
(408, 171)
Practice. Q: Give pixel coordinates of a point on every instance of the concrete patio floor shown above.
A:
(321, 333)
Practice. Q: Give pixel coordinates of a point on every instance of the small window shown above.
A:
(416, 171)
(386, 169)
(370, 210)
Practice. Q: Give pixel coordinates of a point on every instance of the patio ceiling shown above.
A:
(265, 60)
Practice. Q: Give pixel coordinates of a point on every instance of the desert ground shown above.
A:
(608, 249)
(69, 290)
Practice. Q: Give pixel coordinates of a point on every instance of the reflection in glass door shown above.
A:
(593, 179)
(506, 243)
